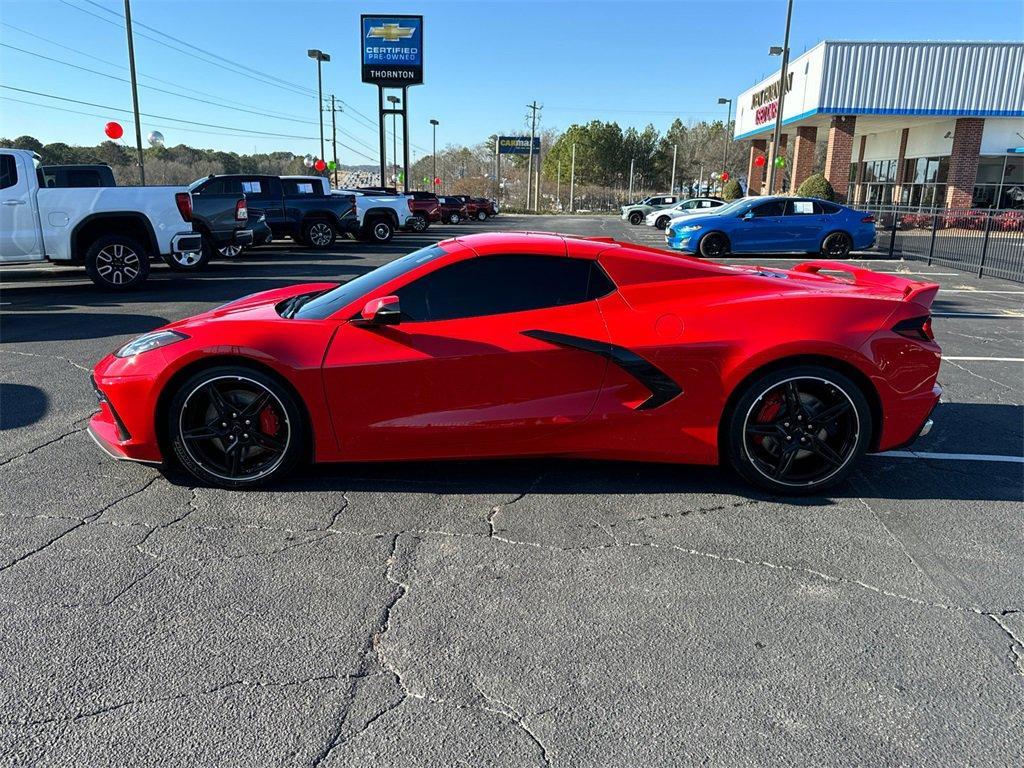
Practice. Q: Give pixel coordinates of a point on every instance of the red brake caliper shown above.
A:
(768, 412)
(269, 423)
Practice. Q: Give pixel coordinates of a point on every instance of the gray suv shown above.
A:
(636, 212)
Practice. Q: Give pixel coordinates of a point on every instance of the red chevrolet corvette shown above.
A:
(517, 344)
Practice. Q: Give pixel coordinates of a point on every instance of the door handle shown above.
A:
(13, 202)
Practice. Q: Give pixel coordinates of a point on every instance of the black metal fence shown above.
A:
(985, 242)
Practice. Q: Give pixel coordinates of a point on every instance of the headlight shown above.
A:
(148, 341)
(689, 228)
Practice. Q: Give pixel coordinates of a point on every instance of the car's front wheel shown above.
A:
(714, 245)
(235, 427)
(454, 218)
(379, 230)
(418, 224)
(481, 215)
(836, 246)
(661, 223)
(635, 217)
(797, 430)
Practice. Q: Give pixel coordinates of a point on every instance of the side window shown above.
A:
(771, 208)
(825, 207)
(297, 188)
(690, 204)
(8, 171)
(212, 187)
(799, 208)
(715, 203)
(252, 187)
(707, 204)
(495, 285)
(669, 200)
(84, 178)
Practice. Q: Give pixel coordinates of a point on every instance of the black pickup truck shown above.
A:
(301, 208)
(222, 219)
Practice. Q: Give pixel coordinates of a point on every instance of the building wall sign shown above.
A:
(765, 102)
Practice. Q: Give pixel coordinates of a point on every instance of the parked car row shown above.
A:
(76, 214)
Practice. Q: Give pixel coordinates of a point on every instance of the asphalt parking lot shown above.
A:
(502, 613)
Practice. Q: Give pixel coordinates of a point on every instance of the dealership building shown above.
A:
(919, 124)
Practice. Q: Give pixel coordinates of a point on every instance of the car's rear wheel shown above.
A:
(836, 246)
(635, 217)
(117, 263)
(235, 427)
(481, 215)
(418, 224)
(714, 245)
(798, 430)
(192, 261)
(379, 230)
(661, 222)
(318, 234)
(454, 218)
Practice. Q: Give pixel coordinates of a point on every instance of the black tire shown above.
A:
(836, 246)
(713, 245)
(318, 234)
(797, 445)
(378, 230)
(635, 218)
(210, 436)
(418, 224)
(481, 215)
(661, 222)
(117, 263)
(192, 261)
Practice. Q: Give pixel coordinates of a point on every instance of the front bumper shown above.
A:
(186, 242)
(684, 241)
(123, 426)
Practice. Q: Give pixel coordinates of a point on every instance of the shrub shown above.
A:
(732, 190)
(817, 185)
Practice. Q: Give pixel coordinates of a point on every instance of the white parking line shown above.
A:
(917, 274)
(952, 456)
(993, 359)
(995, 315)
(971, 290)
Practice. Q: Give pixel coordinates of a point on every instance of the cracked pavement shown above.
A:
(513, 613)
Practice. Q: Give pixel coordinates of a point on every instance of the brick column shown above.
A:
(840, 154)
(857, 196)
(901, 167)
(780, 173)
(963, 162)
(755, 172)
(803, 155)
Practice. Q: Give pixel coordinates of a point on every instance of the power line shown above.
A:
(261, 113)
(599, 110)
(116, 65)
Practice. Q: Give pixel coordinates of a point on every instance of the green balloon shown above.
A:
(401, 177)
(426, 179)
(332, 165)
(780, 161)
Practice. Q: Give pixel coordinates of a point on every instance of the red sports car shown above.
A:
(518, 344)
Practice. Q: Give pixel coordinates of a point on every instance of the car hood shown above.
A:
(691, 219)
(256, 306)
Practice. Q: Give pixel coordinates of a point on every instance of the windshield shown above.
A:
(327, 304)
(734, 207)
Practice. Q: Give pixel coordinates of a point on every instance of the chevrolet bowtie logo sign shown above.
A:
(391, 32)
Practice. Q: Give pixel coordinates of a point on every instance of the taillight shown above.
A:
(869, 219)
(241, 210)
(919, 328)
(184, 202)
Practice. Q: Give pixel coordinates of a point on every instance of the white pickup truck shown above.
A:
(112, 231)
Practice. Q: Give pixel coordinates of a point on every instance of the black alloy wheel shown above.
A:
(661, 223)
(799, 430)
(235, 427)
(635, 217)
(713, 245)
(836, 246)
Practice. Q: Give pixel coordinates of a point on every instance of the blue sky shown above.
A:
(631, 61)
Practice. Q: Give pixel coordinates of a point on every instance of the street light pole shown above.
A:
(135, 88)
(725, 140)
(675, 155)
(393, 100)
(434, 124)
(777, 134)
(320, 57)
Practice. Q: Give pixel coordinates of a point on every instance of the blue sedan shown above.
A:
(774, 225)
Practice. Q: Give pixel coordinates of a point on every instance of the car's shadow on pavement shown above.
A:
(876, 477)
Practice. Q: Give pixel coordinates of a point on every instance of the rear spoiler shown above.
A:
(912, 290)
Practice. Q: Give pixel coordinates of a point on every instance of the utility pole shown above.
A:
(631, 162)
(434, 124)
(529, 167)
(572, 180)
(725, 139)
(675, 156)
(135, 88)
(558, 184)
(777, 134)
(334, 132)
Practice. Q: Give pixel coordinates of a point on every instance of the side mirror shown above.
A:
(748, 215)
(382, 311)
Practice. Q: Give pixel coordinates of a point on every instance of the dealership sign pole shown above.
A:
(391, 52)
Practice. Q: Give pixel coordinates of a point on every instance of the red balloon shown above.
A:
(725, 175)
(437, 179)
(759, 161)
(113, 130)
(319, 165)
